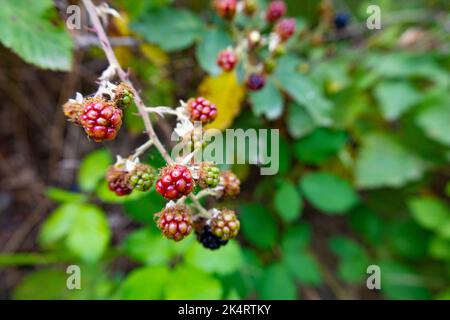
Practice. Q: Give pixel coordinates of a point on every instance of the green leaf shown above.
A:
(27, 30)
(407, 239)
(434, 121)
(328, 193)
(214, 41)
(61, 195)
(187, 283)
(224, 261)
(303, 91)
(145, 283)
(353, 261)
(93, 168)
(395, 98)
(303, 267)
(440, 248)
(276, 284)
(345, 247)
(258, 225)
(45, 284)
(299, 122)
(171, 29)
(320, 145)
(58, 224)
(267, 102)
(148, 247)
(143, 208)
(287, 201)
(401, 282)
(429, 212)
(296, 237)
(83, 228)
(382, 162)
(367, 223)
(89, 235)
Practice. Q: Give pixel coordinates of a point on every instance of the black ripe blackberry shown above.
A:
(341, 20)
(209, 240)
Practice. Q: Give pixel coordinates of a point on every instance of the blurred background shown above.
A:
(364, 119)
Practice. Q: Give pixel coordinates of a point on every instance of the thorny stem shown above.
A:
(112, 59)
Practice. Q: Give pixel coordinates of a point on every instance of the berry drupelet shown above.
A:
(200, 109)
(174, 182)
(210, 240)
(100, 119)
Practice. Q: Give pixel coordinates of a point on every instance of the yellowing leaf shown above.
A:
(154, 54)
(122, 53)
(226, 93)
(122, 24)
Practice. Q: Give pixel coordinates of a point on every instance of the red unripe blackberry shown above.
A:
(227, 60)
(285, 28)
(117, 180)
(174, 222)
(275, 11)
(101, 120)
(225, 224)
(202, 110)
(230, 183)
(210, 240)
(174, 182)
(226, 8)
(256, 81)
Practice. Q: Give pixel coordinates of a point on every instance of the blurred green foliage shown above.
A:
(365, 135)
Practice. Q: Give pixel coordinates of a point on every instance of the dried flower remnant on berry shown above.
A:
(117, 179)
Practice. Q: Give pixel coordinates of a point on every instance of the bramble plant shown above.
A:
(332, 123)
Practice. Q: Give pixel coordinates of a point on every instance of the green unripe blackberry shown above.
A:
(142, 177)
(209, 176)
(124, 95)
